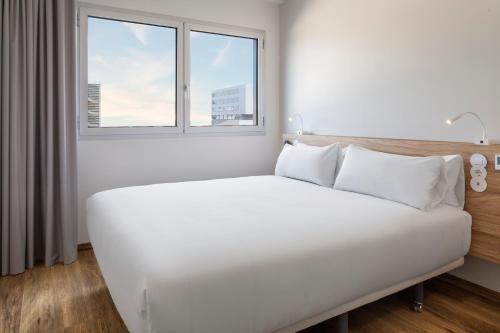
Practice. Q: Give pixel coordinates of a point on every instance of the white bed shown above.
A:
(260, 254)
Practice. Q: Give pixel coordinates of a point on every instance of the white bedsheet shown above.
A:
(257, 254)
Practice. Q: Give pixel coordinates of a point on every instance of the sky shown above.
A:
(136, 63)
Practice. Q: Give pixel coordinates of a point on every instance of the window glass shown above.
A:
(223, 82)
(131, 74)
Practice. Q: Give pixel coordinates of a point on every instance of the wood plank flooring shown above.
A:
(62, 298)
(74, 298)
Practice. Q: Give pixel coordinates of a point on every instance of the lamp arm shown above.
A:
(301, 123)
(480, 121)
(296, 115)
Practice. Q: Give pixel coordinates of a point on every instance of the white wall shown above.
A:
(481, 272)
(394, 68)
(391, 68)
(105, 164)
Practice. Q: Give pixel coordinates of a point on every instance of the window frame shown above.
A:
(86, 12)
(229, 31)
(183, 28)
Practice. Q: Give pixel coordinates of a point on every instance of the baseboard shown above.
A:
(84, 246)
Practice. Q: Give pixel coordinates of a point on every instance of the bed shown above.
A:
(261, 254)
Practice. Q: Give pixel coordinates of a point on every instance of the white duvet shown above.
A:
(258, 254)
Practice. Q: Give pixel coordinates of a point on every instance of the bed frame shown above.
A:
(483, 207)
(341, 312)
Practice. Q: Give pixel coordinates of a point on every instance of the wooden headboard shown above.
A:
(484, 207)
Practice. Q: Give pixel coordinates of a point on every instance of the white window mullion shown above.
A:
(187, 81)
(181, 108)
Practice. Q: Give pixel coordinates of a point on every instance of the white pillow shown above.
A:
(414, 181)
(455, 181)
(340, 155)
(309, 163)
(340, 161)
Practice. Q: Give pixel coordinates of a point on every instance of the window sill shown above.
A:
(142, 136)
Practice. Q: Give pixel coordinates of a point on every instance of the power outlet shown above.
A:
(497, 162)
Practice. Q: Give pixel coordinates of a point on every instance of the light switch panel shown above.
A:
(478, 184)
(497, 162)
(478, 172)
(478, 160)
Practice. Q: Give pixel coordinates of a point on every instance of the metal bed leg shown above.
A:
(343, 323)
(418, 297)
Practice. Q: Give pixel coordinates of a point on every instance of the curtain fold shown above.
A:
(37, 133)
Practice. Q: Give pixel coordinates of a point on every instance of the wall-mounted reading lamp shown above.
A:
(301, 122)
(484, 140)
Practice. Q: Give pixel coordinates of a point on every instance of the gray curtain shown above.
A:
(37, 133)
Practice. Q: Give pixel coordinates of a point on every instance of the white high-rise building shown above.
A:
(233, 105)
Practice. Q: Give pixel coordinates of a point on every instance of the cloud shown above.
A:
(139, 31)
(201, 106)
(127, 107)
(221, 54)
(97, 59)
(137, 88)
(148, 67)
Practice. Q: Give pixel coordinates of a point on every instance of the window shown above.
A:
(223, 78)
(130, 73)
(143, 74)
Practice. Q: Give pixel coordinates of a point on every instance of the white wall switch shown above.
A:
(497, 162)
(478, 172)
(478, 184)
(478, 160)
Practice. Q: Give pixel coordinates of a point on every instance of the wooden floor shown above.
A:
(74, 298)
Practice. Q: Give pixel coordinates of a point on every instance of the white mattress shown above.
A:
(258, 254)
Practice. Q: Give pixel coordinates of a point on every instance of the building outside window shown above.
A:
(94, 105)
(233, 106)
